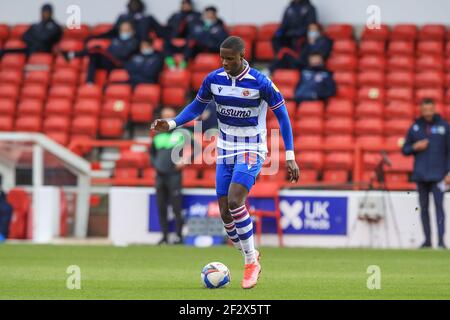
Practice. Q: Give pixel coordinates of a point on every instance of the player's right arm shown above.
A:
(190, 112)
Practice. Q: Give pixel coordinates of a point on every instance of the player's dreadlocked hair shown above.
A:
(234, 43)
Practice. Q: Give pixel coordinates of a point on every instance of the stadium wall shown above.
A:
(238, 11)
(311, 218)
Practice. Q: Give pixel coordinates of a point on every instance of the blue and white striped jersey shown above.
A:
(241, 105)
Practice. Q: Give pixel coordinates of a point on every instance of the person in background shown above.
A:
(142, 23)
(6, 212)
(119, 51)
(177, 27)
(316, 82)
(41, 36)
(168, 177)
(428, 140)
(205, 35)
(145, 66)
(316, 41)
(297, 16)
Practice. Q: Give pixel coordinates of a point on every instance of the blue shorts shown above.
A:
(242, 169)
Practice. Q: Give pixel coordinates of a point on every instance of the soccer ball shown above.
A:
(215, 275)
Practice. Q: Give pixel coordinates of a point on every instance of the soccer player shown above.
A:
(242, 96)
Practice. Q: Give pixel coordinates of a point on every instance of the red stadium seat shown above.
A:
(60, 62)
(369, 140)
(309, 125)
(308, 176)
(57, 123)
(85, 125)
(116, 109)
(122, 175)
(266, 31)
(142, 112)
(369, 126)
(372, 62)
(133, 159)
(59, 137)
(346, 92)
(101, 28)
(11, 77)
(309, 142)
(400, 93)
(369, 47)
(245, 31)
(371, 93)
(399, 109)
(404, 32)
(400, 163)
(18, 30)
(335, 176)
(264, 50)
(9, 91)
(30, 107)
(15, 44)
(347, 78)
(339, 31)
(339, 108)
(286, 77)
(401, 48)
(395, 141)
(339, 160)
(34, 91)
(311, 160)
(174, 97)
(4, 32)
(401, 63)
(118, 75)
(206, 62)
(13, 61)
(430, 47)
(396, 126)
(45, 59)
(118, 92)
(437, 94)
(111, 128)
(6, 123)
(197, 79)
(344, 46)
(427, 62)
(371, 160)
(175, 79)
(310, 109)
(288, 91)
(62, 91)
(400, 79)
(80, 33)
(90, 91)
(339, 125)
(87, 107)
(435, 32)
(28, 123)
(340, 141)
(377, 34)
(60, 107)
(342, 62)
(371, 78)
(66, 76)
(39, 77)
(7, 107)
(369, 109)
(148, 93)
(70, 45)
(429, 79)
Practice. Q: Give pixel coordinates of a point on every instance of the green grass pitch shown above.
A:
(148, 272)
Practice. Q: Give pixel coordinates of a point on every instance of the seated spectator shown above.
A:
(143, 24)
(6, 212)
(145, 66)
(177, 27)
(41, 36)
(316, 41)
(205, 35)
(119, 51)
(298, 15)
(316, 82)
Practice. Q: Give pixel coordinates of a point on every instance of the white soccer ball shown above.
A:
(215, 275)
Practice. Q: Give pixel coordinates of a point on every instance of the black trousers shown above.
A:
(424, 189)
(168, 191)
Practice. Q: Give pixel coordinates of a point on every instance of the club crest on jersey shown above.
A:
(245, 93)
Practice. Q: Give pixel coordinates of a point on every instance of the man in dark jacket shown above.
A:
(40, 37)
(316, 82)
(6, 212)
(119, 51)
(168, 177)
(298, 15)
(428, 140)
(142, 23)
(145, 66)
(177, 27)
(205, 35)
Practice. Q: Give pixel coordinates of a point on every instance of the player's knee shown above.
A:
(234, 203)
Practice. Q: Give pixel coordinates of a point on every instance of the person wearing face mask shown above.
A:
(41, 36)
(205, 35)
(298, 15)
(118, 52)
(142, 23)
(145, 66)
(177, 27)
(316, 82)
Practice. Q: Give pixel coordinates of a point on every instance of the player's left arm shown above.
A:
(278, 106)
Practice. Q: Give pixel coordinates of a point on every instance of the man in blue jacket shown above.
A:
(298, 15)
(428, 140)
(6, 212)
(316, 82)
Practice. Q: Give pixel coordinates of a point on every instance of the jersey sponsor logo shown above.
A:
(235, 113)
